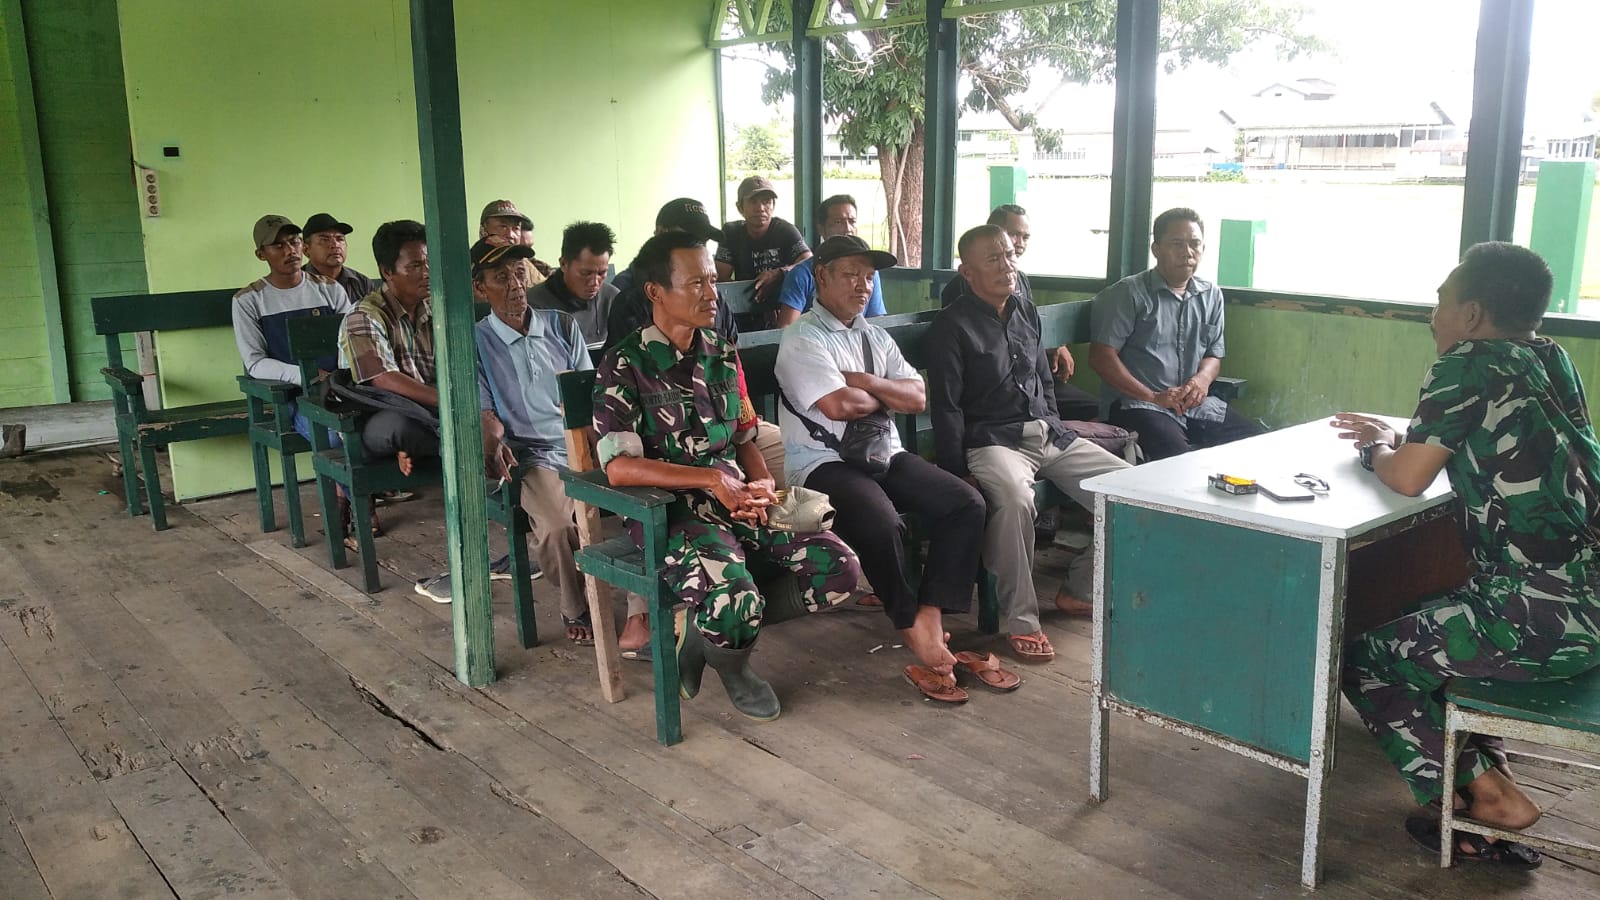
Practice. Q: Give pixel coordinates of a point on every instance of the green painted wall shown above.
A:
(602, 110)
(24, 353)
(83, 136)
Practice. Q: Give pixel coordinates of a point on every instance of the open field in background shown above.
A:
(1377, 241)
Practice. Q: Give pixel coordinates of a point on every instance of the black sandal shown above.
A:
(584, 622)
(1426, 832)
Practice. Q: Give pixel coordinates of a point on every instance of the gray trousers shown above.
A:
(1006, 476)
(554, 534)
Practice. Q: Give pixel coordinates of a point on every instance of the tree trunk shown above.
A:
(901, 171)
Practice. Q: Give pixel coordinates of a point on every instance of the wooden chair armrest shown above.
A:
(121, 380)
(1228, 389)
(317, 414)
(274, 392)
(629, 502)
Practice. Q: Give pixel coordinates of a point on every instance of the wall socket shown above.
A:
(149, 192)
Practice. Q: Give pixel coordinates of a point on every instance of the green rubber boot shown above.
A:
(750, 694)
(691, 657)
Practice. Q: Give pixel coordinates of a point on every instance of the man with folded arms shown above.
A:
(829, 381)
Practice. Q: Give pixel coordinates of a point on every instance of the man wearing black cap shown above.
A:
(837, 368)
(325, 255)
(761, 245)
(501, 223)
(630, 311)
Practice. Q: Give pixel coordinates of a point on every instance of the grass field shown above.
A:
(1378, 241)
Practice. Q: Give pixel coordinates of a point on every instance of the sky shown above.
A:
(1424, 48)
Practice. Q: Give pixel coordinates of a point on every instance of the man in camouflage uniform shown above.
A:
(671, 412)
(1503, 414)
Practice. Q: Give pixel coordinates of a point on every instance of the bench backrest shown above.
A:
(577, 398)
(130, 313)
(312, 338)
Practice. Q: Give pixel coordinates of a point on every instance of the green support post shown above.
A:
(1236, 252)
(1005, 183)
(807, 120)
(444, 203)
(1561, 225)
(1133, 136)
(940, 86)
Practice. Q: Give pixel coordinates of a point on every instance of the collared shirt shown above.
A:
(379, 336)
(517, 378)
(987, 377)
(591, 315)
(800, 289)
(630, 311)
(813, 356)
(1160, 336)
(355, 284)
(955, 287)
(654, 402)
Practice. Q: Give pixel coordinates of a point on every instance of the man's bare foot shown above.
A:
(870, 601)
(1496, 800)
(403, 460)
(635, 632)
(1072, 605)
(928, 641)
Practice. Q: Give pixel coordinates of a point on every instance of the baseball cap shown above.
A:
(268, 227)
(841, 245)
(688, 215)
(486, 255)
(753, 185)
(505, 208)
(323, 222)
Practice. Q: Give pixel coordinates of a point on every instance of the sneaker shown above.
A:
(500, 569)
(385, 498)
(436, 588)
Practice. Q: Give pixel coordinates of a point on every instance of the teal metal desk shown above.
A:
(1223, 617)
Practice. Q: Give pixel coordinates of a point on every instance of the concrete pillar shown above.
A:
(1236, 251)
(1561, 225)
(1005, 183)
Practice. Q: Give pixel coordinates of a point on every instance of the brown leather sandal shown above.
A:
(1032, 648)
(987, 669)
(935, 686)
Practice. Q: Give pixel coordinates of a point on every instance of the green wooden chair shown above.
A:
(272, 428)
(141, 430)
(362, 476)
(1563, 714)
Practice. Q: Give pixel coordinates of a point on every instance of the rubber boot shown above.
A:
(691, 657)
(750, 694)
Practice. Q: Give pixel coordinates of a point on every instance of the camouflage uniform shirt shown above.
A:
(1523, 457)
(654, 402)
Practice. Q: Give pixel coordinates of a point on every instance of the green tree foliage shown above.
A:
(758, 148)
(873, 81)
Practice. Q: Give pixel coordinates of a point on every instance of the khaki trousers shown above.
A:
(1006, 476)
(769, 440)
(554, 533)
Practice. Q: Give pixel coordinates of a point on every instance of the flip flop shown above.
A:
(639, 654)
(1426, 832)
(860, 604)
(987, 669)
(934, 686)
(583, 622)
(1032, 648)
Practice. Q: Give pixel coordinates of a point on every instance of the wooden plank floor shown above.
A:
(207, 712)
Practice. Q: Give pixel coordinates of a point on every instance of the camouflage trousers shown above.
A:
(1509, 629)
(707, 561)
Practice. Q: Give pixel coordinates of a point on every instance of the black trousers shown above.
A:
(1074, 404)
(1160, 436)
(868, 519)
(388, 432)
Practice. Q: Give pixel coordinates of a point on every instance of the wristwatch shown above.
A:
(1365, 452)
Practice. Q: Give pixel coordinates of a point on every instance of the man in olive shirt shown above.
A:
(579, 287)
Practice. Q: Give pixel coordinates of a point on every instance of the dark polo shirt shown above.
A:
(355, 284)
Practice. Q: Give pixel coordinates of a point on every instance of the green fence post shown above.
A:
(1005, 183)
(1236, 252)
(1561, 225)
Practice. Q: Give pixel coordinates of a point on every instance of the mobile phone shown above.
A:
(1284, 490)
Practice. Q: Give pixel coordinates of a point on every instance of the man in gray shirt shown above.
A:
(579, 286)
(1157, 343)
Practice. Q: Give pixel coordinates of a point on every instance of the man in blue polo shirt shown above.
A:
(836, 216)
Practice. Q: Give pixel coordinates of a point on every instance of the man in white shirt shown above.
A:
(829, 382)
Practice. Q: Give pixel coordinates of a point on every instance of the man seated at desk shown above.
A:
(671, 412)
(1157, 344)
(1502, 413)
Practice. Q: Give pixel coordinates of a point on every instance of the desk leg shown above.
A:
(1099, 716)
(1324, 703)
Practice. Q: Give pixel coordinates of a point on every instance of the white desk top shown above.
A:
(1356, 501)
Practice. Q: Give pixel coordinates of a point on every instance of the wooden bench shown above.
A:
(1563, 714)
(140, 430)
(270, 405)
(349, 466)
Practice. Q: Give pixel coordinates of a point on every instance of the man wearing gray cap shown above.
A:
(502, 224)
(326, 252)
(262, 309)
(760, 246)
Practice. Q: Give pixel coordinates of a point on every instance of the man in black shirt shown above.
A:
(325, 255)
(761, 246)
(995, 423)
(630, 310)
